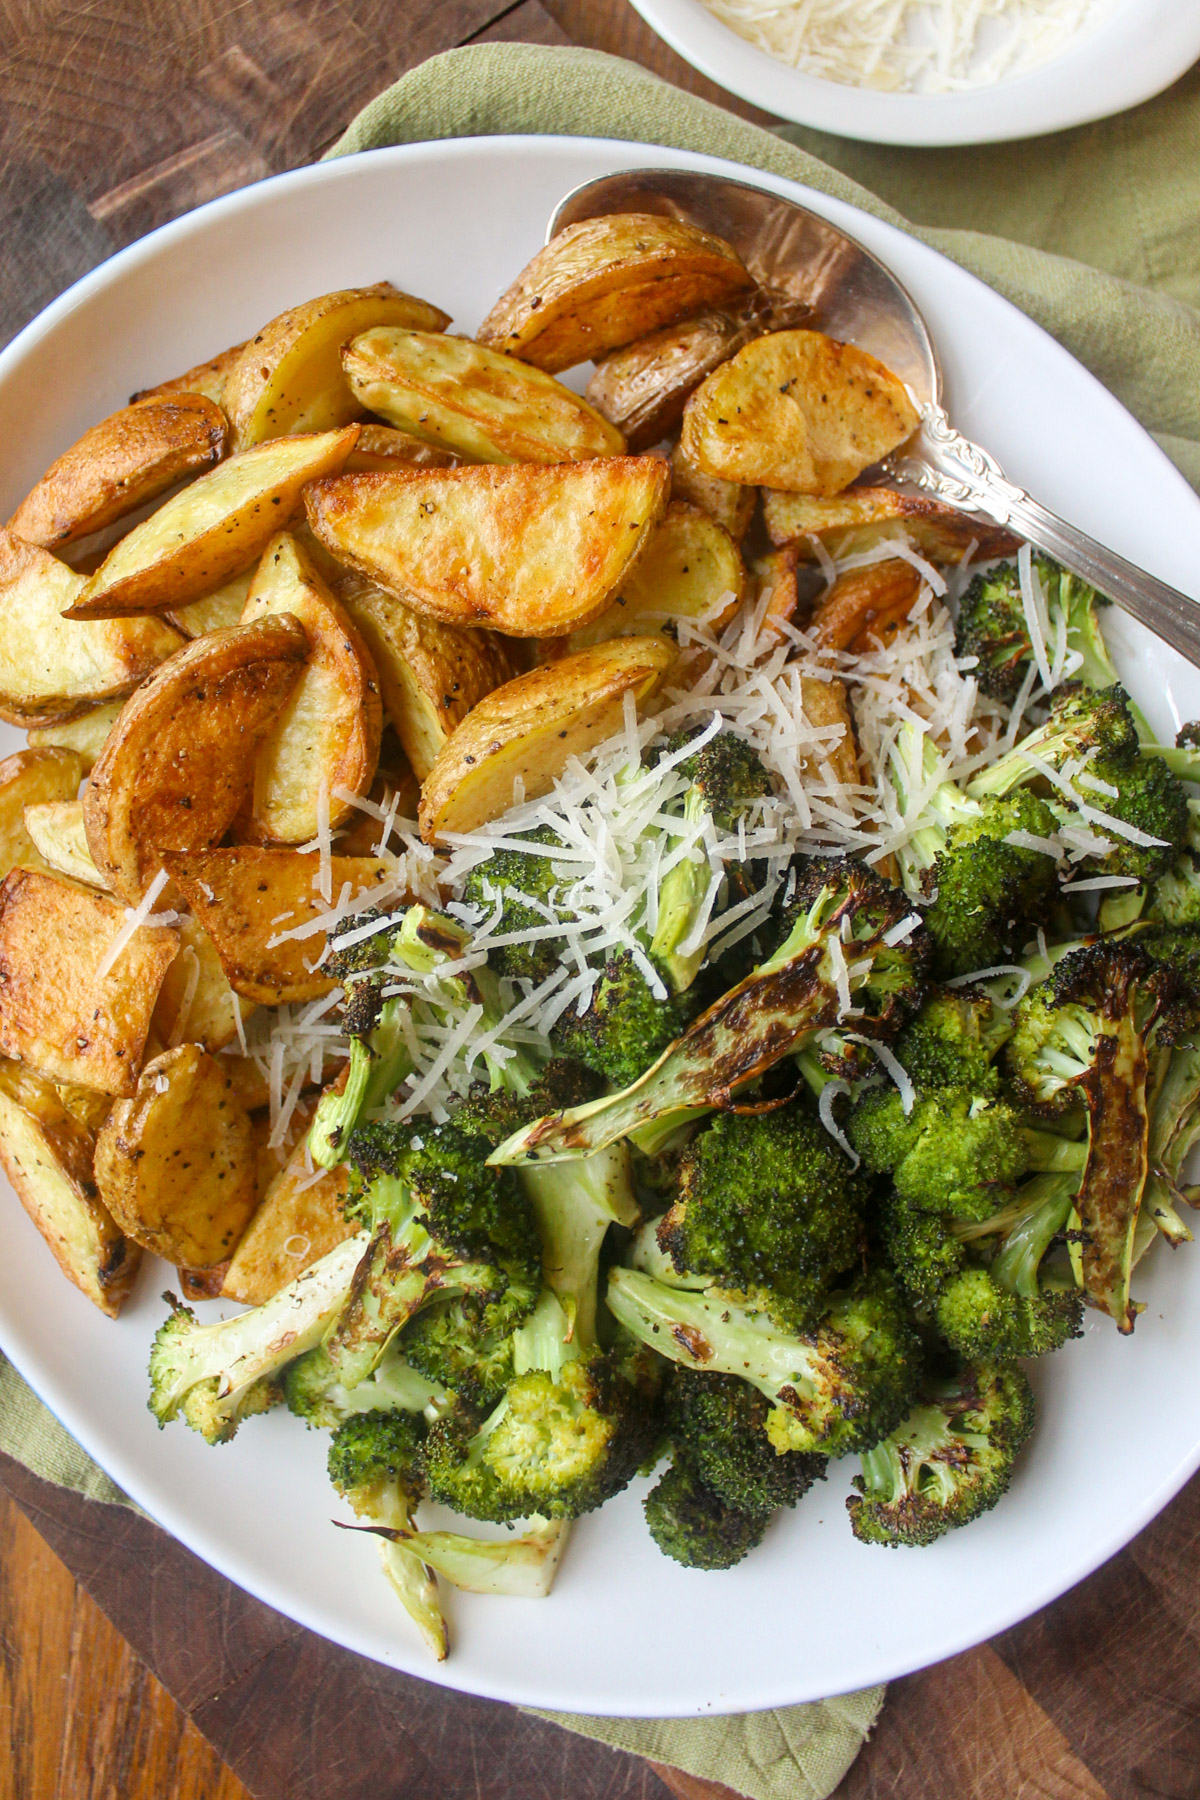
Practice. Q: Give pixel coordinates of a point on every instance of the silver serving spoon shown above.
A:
(856, 298)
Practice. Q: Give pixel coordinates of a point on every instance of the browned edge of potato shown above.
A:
(728, 502)
(859, 518)
(207, 378)
(691, 569)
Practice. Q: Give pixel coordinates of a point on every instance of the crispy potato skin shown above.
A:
(289, 377)
(52, 670)
(177, 767)
(690, 569)
(528, 551)
(121, 463)
(58, 1014)
(295, 1225)
(196, 1004)
(797, 410)
(475, 402)
(531, 726)
(863, 516)
(31, 778)
(431, 673)
(213, 529)
(860, 598)
(383, 447)
(207, 378)
(175, 1161)
(47, 1155)
(825, 704)
(247, 896)
(327, 732)
(728, 502)
(606, 281)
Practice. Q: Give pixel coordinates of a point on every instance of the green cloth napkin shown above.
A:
(1093, 233)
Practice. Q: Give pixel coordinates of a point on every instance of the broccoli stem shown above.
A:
(523, 1566)
(574, 1204)
(1049, 1200)
(377, 1066)
(681, 894)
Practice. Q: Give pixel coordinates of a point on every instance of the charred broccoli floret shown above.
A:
(627, 1026)
(992, 625)
(949, 1461)
(719, 1424)
(770, 1210)
(694, 1526)
(984, 890)
(954, 1039)
(839, 1387)
(528, 887)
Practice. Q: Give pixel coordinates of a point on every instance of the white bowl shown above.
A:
(813, 1612)
(1141, 48)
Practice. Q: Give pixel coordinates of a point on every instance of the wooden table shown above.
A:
(120, 1654)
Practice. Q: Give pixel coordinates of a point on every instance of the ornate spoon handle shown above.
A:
(966, 476)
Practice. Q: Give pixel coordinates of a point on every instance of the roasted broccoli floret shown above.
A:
(983, 891)
(949, 1461)
(528, 887)
(770, 1210)
(627, 1026)
(1176, 896)
(992, 625)
(954, 1039)
(719, 1424)
(1089, 1036)
(725, 779)
(694, 1526)
(839, 1387)
(217, 1375)
(442, 1225)
(1083, 722)
(374, 1464)
(314, 1391)
(836, 948)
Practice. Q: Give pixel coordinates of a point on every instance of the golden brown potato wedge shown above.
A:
(175, 1161)
(215, 611)
(643, 387)
(207, 378)
(326, 735)
(52, 669)
(690, 569)
(29, 777)
(178, 766)
(47, 1155)
(529, 551)
(606, 281)
(289, 378)
(382, 447)
(58, 1011)
(797, 410)
(476, 402)
(212, 529)
(298, 1221)
(56, 829)
(527, 730)
(862, 598)
(247, 899)
(431, 673)
(825, 706)
(196, 1004)
(86, 735)
(860, 518)
(728, 502)
(127, 459)
(777, 589)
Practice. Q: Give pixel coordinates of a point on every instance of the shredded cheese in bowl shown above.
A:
(915, 46)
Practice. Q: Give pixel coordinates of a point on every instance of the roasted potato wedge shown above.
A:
(27, 779)
(861, 598)
(476, 402)
(643, 387)
(382, 447)
(431, 673)
(298, 1221)
(196, 1004)
(58, 1012)
(212, 529)
(215, 611)
(690, 569)
(777, 589)
(56, 829)
(728, 502)
(247, 898)
(47, 1155)
(529, 551)
(207, 378)
(52, 669)
(825, 706)
(175, 1161)
(606, 281)
(797, 410)
(860, 518)
(529, 728)
(289, 378)
(178, 766)
(127, 459)
(326, 735)
(86, 735)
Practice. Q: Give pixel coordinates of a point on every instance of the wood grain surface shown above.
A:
(123, 1660)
